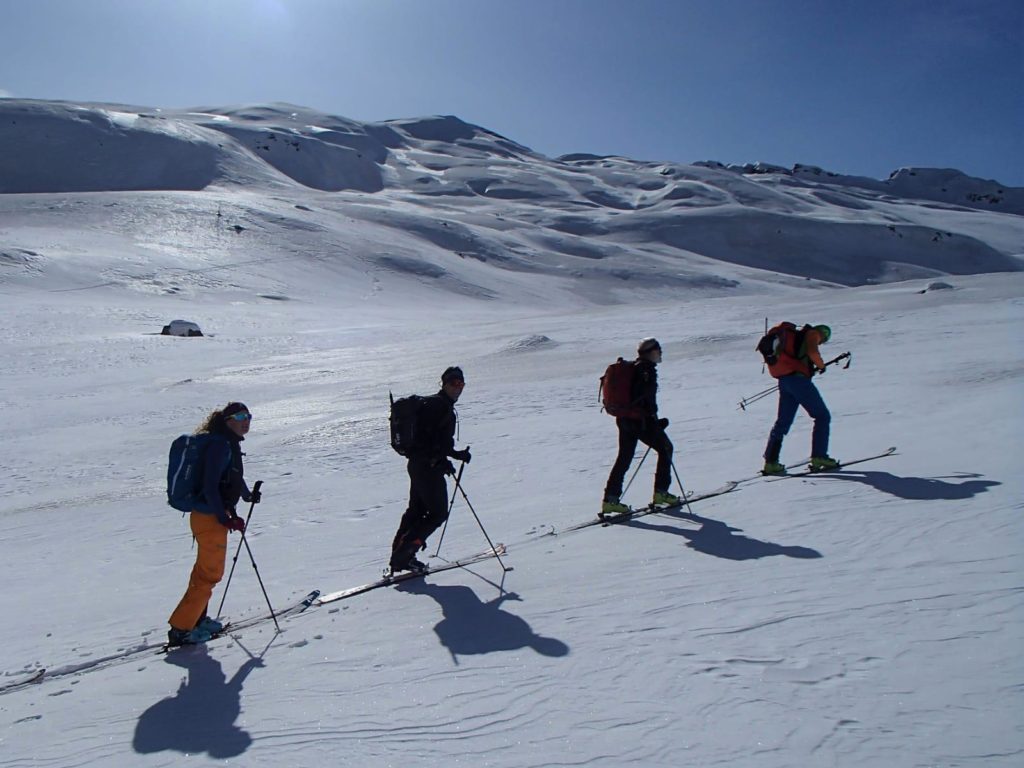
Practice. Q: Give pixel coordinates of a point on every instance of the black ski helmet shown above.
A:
(452, 373)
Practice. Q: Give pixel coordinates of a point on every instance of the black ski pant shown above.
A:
(648, 432)
(428, 502)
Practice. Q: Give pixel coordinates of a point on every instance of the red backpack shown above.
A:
(616, 390)
(782, 341)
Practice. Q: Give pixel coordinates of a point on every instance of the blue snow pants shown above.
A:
(796, 390)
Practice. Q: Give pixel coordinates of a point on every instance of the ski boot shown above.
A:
(773, 468)
(612, 506)
(402, 557)
(666, 499)
(823, 464)
(212, 626)
(416, 565)
(178, 637)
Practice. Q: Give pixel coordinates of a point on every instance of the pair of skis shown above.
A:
(396, 578)
(812, 471)
(621, 517)
(651, 509)
(43, 674)
(235, 627)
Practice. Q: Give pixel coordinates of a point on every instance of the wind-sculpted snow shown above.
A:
(370, 199)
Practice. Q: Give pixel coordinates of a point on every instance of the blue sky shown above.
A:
(856, 87)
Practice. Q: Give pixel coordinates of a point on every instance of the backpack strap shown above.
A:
(801, 343)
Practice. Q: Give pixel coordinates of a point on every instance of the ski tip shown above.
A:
(36, 677)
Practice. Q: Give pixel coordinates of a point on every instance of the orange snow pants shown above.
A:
(212, 542)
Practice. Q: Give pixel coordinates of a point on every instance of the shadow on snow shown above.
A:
(201, 716)
(471, 626)
(717, 538)
(918, 488)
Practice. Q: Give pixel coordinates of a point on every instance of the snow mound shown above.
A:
(530, 343)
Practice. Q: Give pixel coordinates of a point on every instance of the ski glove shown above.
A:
(463, 455)
(255, 497)
(449, 468)
(663, 423)
(236, 524)
(820, 370)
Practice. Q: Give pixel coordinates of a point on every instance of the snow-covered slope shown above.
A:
(414, 199)
(872, 618)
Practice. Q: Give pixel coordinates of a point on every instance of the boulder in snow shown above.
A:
(181, 328)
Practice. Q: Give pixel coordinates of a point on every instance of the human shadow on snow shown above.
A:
(201, 716)
(471, 626)
(918, 488)
(716, 538)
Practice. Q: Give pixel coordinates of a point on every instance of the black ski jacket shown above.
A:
(645, 388)
(436, 426)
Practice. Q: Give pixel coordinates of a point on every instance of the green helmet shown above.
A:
(825, 331)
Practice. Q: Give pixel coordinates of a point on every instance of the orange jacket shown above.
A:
(808, 358)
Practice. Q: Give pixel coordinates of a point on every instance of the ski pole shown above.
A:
(681, 488)
(255, 489)
(754, 398)
(458, 479)
(635, 471)
(845, 356)
(762, 362)
(491, 543)
(253, 561)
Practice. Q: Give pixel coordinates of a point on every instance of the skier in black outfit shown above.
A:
(648, 429)
(428, 464)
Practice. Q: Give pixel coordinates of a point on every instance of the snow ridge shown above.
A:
(457, 207)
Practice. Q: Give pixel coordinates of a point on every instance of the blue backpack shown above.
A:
(185, 470)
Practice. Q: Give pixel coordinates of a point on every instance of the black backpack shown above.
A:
(405, 426)
(782, 339)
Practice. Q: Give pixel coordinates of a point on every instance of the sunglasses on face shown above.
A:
(240, 416)
(457, 382)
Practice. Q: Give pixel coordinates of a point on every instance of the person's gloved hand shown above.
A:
(236, 524)
(449, 468)
(255, 496)
(820, 370)
(463, 455)
(663, 423)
